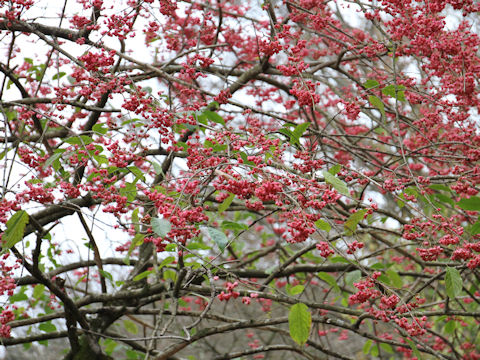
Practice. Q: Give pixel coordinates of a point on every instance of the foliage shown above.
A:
(235, 179)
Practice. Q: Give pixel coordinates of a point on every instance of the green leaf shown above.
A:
(453, 282)
(101, 159)
(218, 237)
(52, 159)
(445, 199)
(386, 347)
(378, 266)
(110, 346)
(353, 220)
(414, 349)
(15, 229)
(142, 275)
(213, 116)
(134, 355)
(106, 274)
(226, 203)
(214, 105)
(136, 241)
(47, 327)
(439, 187)
(79, 140)
(17, 297)
(334, 170)
(375, 101)
(161, 227)
(298, 289)
(395, 279)
(329, 279)
(100, 129)
(220, 147)
(353, 277)
(470, 204)
(169, 275)
(298, 132)
(337, 184)
(475, 229)
(384, 279)
(130, 326)
(370, 84)
(171, 247)
(197, 246)
(323, 225)
(157, 167)
(339, 259)
(390, 91)
(367, 346)
(450, 327)
(166, 261)
(38, 291)
(135, 219)
(129, 191)
(287, 132)
(59, 75)
(299, 323)
(230, 225)
(137, 172)
(201, 118)
(412, 191)
(295, 135)
(132, 121)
